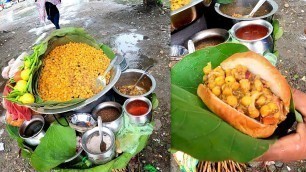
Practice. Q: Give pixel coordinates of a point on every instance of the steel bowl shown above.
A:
(247, 5)
(115, 125)
(142, 119)
(99, 158)
(259, 45)
(81, 122)
(36, 128)
(209, 33)
(186, 14)
(130, 77)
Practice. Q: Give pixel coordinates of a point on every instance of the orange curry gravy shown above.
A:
(251, 32)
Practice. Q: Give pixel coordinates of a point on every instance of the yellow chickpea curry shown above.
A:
(246, 92)
(70, 71)
(176, 4)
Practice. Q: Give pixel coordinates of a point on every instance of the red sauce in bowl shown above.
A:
(137, 108)
(251, 32)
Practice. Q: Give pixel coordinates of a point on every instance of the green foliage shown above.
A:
(224, 1)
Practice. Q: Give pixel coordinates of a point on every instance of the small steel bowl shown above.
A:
(142, 119)
(207, 34)
(81, 122)
(100, 158)
(270, 5)
(130, 77)
(259, 45)
(37, 124)
(115, 125)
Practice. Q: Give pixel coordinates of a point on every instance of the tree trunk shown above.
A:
(151, 2)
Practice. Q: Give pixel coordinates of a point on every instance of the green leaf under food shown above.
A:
(107, 51)
(277, 30)
(58, 145)
(298, 116)
(225, 1)
(276, 53)
(197, 131)
(116, 164)
(155, 101)
(14, 134)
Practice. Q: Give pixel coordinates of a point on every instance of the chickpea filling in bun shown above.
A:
(247, 92)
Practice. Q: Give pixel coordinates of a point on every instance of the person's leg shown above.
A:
(56, 20)
(48, 6)
(55, 16)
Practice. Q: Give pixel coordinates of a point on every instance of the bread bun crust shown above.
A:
(257, 65)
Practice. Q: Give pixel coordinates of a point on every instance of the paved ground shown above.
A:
(142, 34)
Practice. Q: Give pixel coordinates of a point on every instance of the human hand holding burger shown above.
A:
(293, 146)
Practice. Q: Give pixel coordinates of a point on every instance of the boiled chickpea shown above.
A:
(235, 86)
(253, 112)
(261, 100)
(230, 79)
(219, 80)
(266, 91)
(265, 110)
(216, 90)
(220, 71)
(273, 107)
(228, 72)
(232, 101)
(211, 85)
(205, 78)
(245, 84)
(258, 85)
(226, 90)
(207, 69)
(246, 100)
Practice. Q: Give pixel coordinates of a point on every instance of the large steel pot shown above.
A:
(244, 7)
(115, 74)
(186, 14)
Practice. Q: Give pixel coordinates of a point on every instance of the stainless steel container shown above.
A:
(244, 7)
(186, 14)
(86, 105)
(32, 131)
(115, 125)
(208, 33)
(259, 45)
(122, 63)
(141, 119)
(81, 122)
(99, 158)
(75, 159)
(130, 77)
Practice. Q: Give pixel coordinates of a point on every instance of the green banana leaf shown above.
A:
(55, 149)
(197, 131)
(57, 38)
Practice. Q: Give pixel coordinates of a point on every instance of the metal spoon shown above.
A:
(257, 6)
(102, 144)
(191, 47)
(101, 81)
(145, 71)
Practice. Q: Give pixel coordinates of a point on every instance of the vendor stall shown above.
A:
(63, 112)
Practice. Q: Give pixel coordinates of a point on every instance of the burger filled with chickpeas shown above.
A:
(248, 92)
